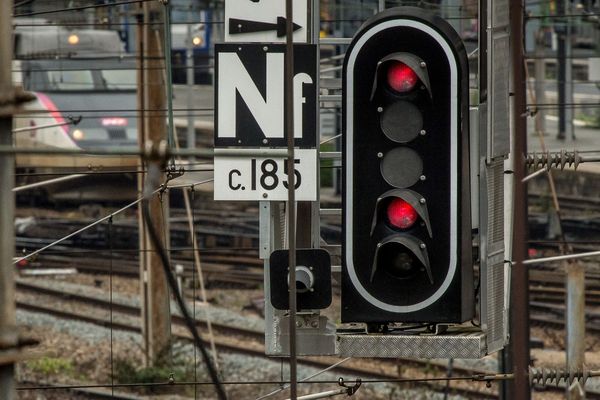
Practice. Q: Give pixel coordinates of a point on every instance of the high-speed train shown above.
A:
(75, 75)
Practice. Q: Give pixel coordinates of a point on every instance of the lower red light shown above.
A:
(401, 77)
(400, 214)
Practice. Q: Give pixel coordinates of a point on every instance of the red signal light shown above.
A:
(400, 77)
(401, 214)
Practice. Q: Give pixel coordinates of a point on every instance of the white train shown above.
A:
(75, 74)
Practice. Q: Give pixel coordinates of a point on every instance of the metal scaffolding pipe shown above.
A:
(8, 320)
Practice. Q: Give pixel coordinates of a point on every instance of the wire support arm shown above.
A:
(70, 121)
(346, 389)
(564, 257)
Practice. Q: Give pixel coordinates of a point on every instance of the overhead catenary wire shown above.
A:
(91, 225)
(308, 378)
(80, 8)
(70, 235)
(492, 377)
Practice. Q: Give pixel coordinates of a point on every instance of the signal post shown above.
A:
(413, 168)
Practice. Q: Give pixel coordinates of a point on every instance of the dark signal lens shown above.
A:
(400, 77)
(397, 262)
(400, 214)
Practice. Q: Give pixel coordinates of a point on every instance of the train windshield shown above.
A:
(79, 77)
(118, 79)
(70, 80)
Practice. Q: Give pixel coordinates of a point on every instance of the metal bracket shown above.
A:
(307, 321)
(439, 329)
(173, 172)
(350, 390)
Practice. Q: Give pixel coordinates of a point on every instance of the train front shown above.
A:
(101, 95)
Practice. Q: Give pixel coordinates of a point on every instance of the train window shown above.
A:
(70, 80)
(119, 79)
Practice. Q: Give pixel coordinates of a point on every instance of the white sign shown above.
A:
(264, 21)
(251, 178)
(250, 95)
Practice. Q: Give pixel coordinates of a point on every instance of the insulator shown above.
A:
(545, 376)
(550, 160)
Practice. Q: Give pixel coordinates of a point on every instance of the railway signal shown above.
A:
(407, 218)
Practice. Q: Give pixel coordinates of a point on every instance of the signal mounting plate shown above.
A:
(455, 343)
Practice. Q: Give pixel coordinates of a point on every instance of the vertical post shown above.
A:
(540, 81)
(8, 329)
(289, 130)
(519, 313)
(141, 96)
(575, 323)
(568, 83)
(168, 85)
(190, 72)
(156, 313)
(561, 70)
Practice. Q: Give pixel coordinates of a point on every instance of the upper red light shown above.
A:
(401, 214)
(401, 77)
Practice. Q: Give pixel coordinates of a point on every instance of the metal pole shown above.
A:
(189, 65)
(46, 182)
(519, 313)
(157, 310)
(141, 98)
(540, 81)
(8, 333)
(561, 257)
(289, 130)
(568, 83)
(168, 70)
(575, 323)
(8, 322)
(561, 70)
(324, 395)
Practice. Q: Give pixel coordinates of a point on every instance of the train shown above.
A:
(89, 76)
(84, 84)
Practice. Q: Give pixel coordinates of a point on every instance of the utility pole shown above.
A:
(8, 322)
(156, 316)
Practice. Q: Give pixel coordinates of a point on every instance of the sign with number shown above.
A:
(264, 177)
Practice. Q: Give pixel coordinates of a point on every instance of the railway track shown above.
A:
(89, 392)
(241, 340)
(238, 340)
(546, 286)
(236, 270)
